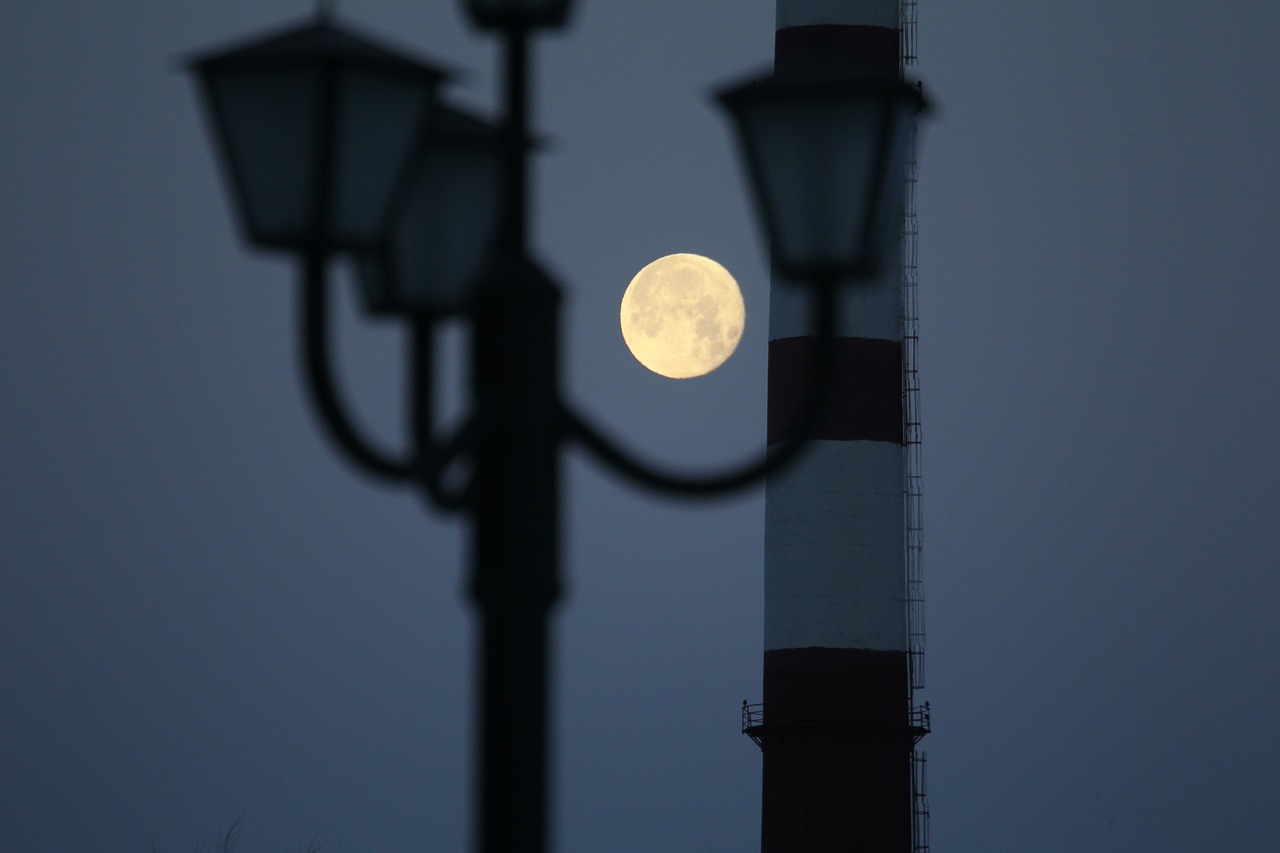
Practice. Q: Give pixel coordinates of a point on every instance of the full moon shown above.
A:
(682, 316)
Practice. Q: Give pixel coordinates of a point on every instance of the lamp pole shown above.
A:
(380, 178)
(515, 520)
(515, 502)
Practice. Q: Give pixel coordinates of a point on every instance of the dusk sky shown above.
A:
(206, 614)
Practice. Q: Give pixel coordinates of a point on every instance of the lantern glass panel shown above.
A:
(268, 123)
(377, 115)
(445, 229)
(816, 167)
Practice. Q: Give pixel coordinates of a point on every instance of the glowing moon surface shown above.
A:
(682, 316)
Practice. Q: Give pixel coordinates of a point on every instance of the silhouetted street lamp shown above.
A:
(826, 154)
(336, 145)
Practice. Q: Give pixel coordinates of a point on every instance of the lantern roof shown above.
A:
(317, 41)
(518, 14)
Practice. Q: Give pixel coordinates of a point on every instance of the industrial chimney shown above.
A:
(843, 622)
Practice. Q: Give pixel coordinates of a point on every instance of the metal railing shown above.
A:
(919, 720)
(753, 722)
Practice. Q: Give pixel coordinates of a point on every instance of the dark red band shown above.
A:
(835, 687)
(866, 393)
(846, 46)
(837, 751)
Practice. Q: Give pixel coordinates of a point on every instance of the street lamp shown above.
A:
(317, 127)
(335, 145)
(444, 221)
(826, 153)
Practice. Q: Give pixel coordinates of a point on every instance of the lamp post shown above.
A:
(335, 144)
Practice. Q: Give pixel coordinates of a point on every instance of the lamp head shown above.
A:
(825, 152)
(444, 223)
(315, 125)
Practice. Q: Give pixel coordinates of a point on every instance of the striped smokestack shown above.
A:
(837, 730)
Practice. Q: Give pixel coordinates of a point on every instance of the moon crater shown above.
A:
(682, 316)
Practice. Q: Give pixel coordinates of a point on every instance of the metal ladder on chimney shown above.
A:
(913, 486)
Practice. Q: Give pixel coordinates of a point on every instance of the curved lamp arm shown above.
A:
(734, 479)
(322, 388)
(427, 465)
(433, 458)
(431, 474)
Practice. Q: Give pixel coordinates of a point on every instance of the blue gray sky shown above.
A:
(205, 614)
